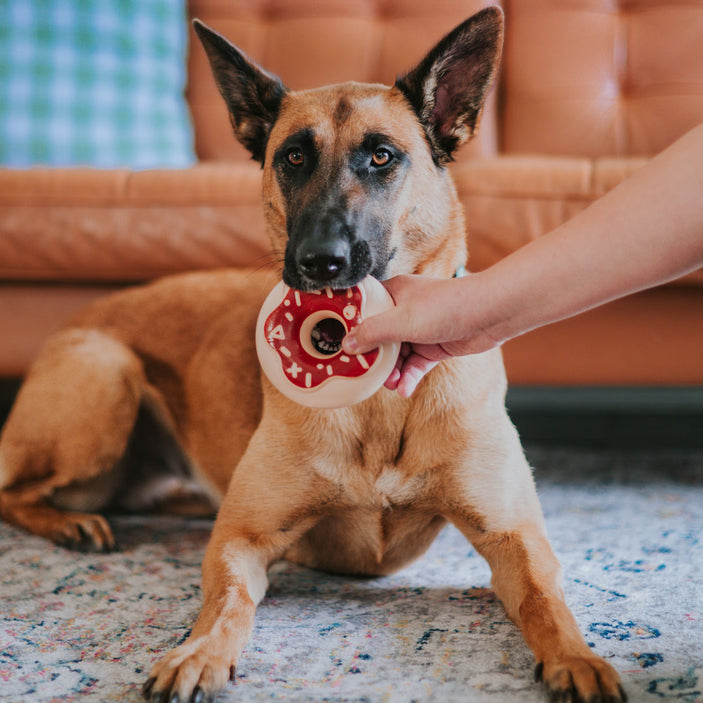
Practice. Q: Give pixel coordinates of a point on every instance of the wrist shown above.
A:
(487, 310)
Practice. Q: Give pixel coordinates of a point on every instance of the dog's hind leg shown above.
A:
(60, 449)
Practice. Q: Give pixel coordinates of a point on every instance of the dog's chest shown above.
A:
(392, 452)
(395, 487)
(372, 478)
(387, 461)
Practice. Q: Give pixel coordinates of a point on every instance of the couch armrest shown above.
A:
(117, 225)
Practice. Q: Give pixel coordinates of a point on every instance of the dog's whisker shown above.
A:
(270, 261)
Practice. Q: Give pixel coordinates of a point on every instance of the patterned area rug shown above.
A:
(628, 530)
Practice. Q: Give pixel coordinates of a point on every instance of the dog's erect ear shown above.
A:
(253, 95)
(448, 88)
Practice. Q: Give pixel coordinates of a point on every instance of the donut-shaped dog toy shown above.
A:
(299, 343)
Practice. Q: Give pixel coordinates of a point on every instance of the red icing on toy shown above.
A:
(282, 331)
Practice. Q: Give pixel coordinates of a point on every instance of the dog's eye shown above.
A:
(295, 157)
(381, 157)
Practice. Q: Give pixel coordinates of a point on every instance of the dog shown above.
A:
(152, 397)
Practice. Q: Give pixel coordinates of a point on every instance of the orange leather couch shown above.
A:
(589, 89)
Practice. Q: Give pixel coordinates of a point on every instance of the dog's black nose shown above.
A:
(324, 254)
(322, 267)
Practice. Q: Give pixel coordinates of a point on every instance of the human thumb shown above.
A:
(371, 333)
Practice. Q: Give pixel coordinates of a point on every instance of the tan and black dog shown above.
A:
(153, 396)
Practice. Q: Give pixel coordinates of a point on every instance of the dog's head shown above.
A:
(354, 175)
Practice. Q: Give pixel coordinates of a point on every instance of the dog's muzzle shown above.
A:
(326, 251)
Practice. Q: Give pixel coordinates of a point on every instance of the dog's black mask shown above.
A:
(338, 212)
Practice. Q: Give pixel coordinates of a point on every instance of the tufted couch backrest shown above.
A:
(580, 77)
(601, 77)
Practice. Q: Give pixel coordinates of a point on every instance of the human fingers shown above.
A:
(414, 368)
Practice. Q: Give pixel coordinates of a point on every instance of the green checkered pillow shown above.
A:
(94, 83)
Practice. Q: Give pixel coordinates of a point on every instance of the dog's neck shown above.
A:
(443, 249)
(447, 262)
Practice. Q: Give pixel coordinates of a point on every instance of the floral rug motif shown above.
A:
(628, 530)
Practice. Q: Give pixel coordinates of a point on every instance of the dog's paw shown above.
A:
(83, 532)
(581, 680)
(192, 673)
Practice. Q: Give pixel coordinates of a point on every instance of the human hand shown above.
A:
(432, 320)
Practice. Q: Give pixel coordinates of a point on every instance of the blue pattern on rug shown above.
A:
(627, 529)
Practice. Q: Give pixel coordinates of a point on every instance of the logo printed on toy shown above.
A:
(282, 330)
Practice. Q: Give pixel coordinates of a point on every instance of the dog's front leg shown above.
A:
(234, 581)
(269, 505)
(491, 497)
(527, 579)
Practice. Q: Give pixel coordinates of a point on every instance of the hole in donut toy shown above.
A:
(327, 335)
(321, 334)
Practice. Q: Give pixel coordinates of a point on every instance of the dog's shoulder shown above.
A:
(464, 381)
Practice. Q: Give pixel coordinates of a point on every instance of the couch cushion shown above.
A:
(93, 225)
(121, 226)
(94, 83)
(511, 200)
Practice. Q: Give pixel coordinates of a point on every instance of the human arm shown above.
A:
(646, 231)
